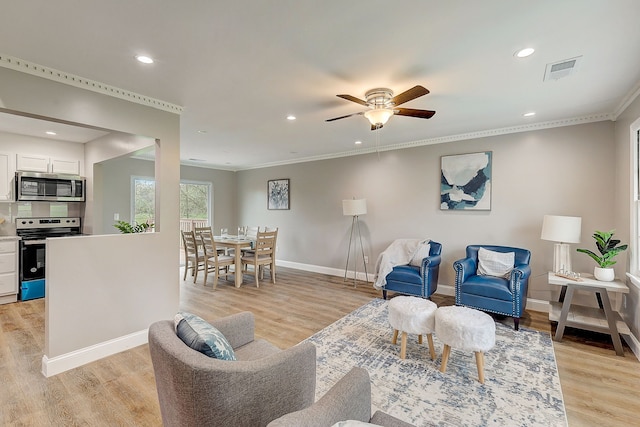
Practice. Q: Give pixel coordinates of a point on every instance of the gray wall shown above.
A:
(115, 187)
(623, 186)
(88, 276)
(561, 171)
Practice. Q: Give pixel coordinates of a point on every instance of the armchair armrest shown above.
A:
(238, 329)
(431, 261)
(464, 268)
(348, 399)
(519, 274)
(279, 384)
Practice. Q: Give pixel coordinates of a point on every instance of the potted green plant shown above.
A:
(126, 228)
(608, 248)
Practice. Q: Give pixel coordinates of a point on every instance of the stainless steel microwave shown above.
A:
(49, 187)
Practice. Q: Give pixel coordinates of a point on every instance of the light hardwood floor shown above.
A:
(600, 388)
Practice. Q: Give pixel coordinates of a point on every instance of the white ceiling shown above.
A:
(240, 67)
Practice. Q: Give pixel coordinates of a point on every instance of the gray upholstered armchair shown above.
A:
(506, 296)
(262, 385)
(348, 399)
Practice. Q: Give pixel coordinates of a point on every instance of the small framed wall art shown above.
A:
(465, 181)
(278, 194)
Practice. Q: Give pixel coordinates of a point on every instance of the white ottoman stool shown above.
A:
(412, 315)
(466, 329)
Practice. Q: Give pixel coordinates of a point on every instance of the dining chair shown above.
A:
(207, 229)
(263, 254)
(251, 234)
(213, 259)
(193, 256)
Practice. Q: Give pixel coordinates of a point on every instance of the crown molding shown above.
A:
(18, 64)
(626, 101)
(443, 139)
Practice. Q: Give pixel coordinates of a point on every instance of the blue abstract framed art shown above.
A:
(465, 181)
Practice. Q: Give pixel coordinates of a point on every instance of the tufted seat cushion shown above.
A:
(488, 286)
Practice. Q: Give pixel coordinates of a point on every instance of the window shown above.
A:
(195, 201)
(634, 268)
(144, 200)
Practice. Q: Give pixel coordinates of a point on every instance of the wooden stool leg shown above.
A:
(403, 345)
(431, 349)
(445, 358)
(480, 364)
(395, 337)
(419, 339)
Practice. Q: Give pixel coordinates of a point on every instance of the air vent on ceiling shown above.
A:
(564, 68)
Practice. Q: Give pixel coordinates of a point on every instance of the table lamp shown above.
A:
(563, 230)
(355, 208)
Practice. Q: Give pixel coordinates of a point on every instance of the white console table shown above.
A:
(603, 319)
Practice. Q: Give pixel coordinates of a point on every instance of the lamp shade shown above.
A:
(565, 229)
(378, 116)
(354, 207)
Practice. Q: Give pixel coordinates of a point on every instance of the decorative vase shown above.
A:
(604, 274)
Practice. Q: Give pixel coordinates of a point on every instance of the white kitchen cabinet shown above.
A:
(32, 163)
(35, 163)
(71, 167)
(7, 172)
(8, 270)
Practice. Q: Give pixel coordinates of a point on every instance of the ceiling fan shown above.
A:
(382, 105)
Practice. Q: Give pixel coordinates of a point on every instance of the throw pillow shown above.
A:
(201, 336)
(498, 264)
(421, 252)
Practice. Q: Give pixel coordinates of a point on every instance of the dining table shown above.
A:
(237, 244)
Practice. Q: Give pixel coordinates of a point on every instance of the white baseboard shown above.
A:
(64, 362)
(532, 304)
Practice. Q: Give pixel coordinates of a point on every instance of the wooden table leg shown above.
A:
(564, 314)
(238, 267)
(403, 346)
(480, 365)
(445, 358)
(611, 320)
(432, 351)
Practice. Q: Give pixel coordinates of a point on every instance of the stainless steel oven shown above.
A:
(33, 233)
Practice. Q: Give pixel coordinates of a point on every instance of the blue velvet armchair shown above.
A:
(419, 281)
(505, 296)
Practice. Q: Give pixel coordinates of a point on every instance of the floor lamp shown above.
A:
(564, 230)
(355, 208)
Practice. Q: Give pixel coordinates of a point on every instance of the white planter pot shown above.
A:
(604, 274)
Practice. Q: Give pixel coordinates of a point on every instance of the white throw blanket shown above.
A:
(399, 252)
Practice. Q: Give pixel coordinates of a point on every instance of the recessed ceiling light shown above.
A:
(522, 53)
(50, 132)
(291, 117)
(193, 159)
(358, 142)
(530, 114)
(144, 59)
(202, 131)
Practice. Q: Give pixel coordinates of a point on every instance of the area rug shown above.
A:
(521, 388)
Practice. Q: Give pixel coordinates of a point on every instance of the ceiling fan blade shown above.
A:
(344, 117)
(353, 99)
(413, 93)
(421, 114)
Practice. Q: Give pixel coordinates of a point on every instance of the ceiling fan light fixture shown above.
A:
(378, 116)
